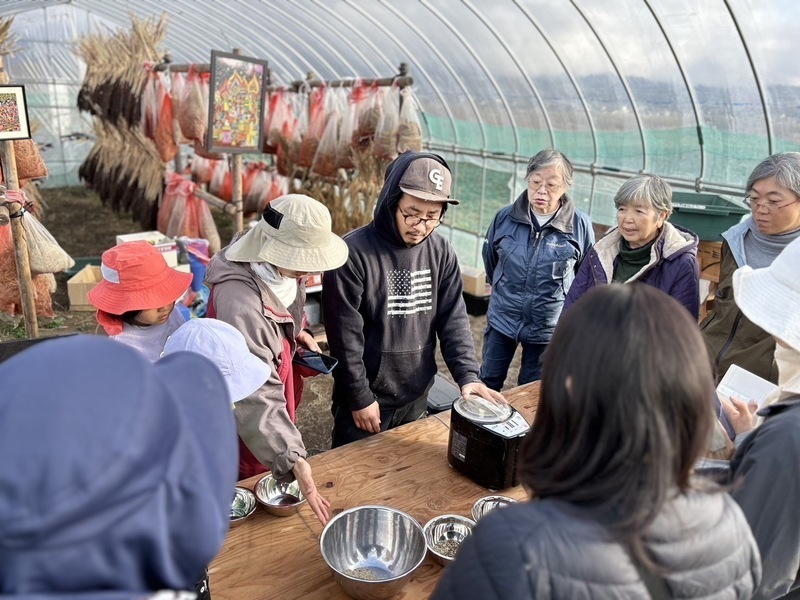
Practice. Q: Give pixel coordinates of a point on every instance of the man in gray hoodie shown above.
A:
(399, 291)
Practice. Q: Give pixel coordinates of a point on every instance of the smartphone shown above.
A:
(316, 361)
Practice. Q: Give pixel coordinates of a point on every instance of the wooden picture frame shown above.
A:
(14, 123)
(236, 104)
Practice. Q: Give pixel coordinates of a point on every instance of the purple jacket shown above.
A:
(673, 267)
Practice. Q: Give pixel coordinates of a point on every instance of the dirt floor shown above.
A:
(85, 228)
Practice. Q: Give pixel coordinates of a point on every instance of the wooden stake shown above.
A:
(26, 293)
(236, 172)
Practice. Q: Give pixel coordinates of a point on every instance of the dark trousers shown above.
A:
(498, 352)
(345, 430)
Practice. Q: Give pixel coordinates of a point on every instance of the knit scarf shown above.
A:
(631, 260)
(761, 249)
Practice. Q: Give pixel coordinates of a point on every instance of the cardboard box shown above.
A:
(167, 246)
(313, 283)
(474, 281)
(80, 284)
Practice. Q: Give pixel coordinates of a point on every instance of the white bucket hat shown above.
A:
(225, 346)
(294, 232)
(770, 297)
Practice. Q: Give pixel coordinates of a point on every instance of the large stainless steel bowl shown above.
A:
(487, 504)
(444, 535)
(372, 550)
(280, 499)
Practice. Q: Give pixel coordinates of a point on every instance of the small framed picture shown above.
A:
(14, 123)
(236, 104)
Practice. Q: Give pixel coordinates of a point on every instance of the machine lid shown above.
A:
(481, 410)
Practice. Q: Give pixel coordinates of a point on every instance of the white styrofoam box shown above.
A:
(167, 246)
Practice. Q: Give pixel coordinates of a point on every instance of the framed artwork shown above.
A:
(236, 103)
(14, 123)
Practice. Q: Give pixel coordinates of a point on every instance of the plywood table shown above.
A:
(269, 557)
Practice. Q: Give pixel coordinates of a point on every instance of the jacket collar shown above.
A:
(564, 220)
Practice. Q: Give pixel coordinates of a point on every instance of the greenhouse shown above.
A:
(697, 92)
(373, 299)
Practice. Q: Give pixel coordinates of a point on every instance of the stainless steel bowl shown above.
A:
(487, 504)
(444, 534)
(372, 550)
(280, 499)
(243, 505)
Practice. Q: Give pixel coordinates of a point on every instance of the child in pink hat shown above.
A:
(136, 299)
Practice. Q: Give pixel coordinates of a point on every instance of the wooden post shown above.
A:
(236, 173)
(10, 180)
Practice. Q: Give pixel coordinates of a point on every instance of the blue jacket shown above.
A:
(673, 267)
(531, 268)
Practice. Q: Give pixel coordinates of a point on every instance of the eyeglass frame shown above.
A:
(545, 185)
(419, 220)
(769, 205)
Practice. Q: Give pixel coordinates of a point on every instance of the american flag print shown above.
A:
(409, 292)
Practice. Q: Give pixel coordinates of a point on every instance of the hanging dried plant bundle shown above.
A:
(115, 78)
(125, 170)
(7, 39)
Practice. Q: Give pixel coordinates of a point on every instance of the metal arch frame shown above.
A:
(275, 6)
(574, 82)
(759, 85)
(403, 47)
(689, 90)
(482, 65)
(353, 47)
(533, 88)
(385, 58)
(622, 80)
(257, 26)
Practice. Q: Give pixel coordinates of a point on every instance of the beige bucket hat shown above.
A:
(294, 232)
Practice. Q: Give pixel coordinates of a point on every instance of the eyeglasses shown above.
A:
(551, 187)
(768, 205)
(414, 220)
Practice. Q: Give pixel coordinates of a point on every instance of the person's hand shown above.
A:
(369, 418)
(739, 413)
(320, 506)
(477, 388)
(306, 340)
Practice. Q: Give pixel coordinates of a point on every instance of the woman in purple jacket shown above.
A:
(644, 247)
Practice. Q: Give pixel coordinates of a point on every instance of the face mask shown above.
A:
(285, 288)
(788, 361)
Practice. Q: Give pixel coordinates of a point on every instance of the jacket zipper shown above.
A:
(729, 341)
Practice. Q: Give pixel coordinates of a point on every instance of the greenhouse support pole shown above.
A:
(236, 172)
(16, 211)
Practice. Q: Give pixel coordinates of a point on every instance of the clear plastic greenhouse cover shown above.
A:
(697, 92)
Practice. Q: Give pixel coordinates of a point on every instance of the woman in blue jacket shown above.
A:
(532, 251)
(644, 247)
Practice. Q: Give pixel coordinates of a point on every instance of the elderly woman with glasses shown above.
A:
(644, 247)
(773, 193)
(532, 251)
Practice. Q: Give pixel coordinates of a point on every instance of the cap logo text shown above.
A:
(436, 178)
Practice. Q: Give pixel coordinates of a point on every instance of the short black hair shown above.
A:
(625, 408)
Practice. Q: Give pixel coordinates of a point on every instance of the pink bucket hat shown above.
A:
(136, 277)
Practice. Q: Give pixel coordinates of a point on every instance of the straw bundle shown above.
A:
(124, 166)
(7, 39)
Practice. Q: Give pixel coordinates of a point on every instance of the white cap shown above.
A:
(225, 346)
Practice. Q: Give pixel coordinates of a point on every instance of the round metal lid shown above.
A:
(481, 410)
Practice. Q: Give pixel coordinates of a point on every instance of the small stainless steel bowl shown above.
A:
(372, 550)
(489, 503)
(443, 535)
(243, 505)
(280, 499)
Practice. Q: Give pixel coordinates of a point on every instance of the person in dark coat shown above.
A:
(644, 247)
(117, 473)
(532, 251)
(766, 479)
(614, 511)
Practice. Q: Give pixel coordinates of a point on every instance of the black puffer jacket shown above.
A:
(552, 549)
